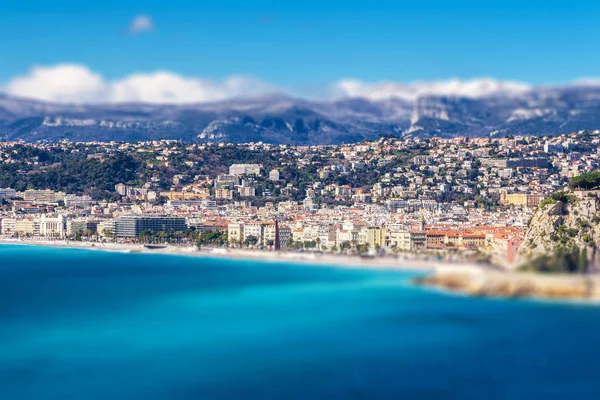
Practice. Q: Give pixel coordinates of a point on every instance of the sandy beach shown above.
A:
(387, 262)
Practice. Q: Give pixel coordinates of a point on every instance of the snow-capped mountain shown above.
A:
(281, 119)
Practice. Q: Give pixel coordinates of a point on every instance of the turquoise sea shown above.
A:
(79, 324)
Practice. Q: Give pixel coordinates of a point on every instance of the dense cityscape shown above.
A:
(465, 197)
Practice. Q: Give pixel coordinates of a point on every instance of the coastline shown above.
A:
(459, 277)
(344, 261)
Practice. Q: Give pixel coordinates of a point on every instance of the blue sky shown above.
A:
(305, 45)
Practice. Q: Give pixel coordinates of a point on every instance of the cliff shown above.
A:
(562, 239)
(563, 234)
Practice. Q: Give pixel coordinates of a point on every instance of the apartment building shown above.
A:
(132, 225)
(521, 199)
(27, 227)
(8, 226)
(72, 200)
(43, 196)
(235, 233)
(244, 169)
(223, 194)
(254, 230)
(247, 191)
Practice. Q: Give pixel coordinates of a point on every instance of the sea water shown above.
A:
(81, 324)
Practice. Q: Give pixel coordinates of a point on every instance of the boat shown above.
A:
(155, 246)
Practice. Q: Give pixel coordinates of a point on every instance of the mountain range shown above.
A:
(282, 119)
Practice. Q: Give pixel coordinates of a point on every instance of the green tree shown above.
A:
(345, 245)
(251, 241)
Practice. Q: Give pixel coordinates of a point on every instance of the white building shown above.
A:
(400, 240)
(52, 226)
(255, 230)
(72, 200)
(107, 228)
(8, 226)
(327, 235)
(346, 236)
(43, 196)
(274, 175)
(244, 169)
(235, 233)
(76, 225)
(285, 234)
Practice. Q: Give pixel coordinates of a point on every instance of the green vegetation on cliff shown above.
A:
(563, 234)
(587, 181)
(564, 260)
(554, 198)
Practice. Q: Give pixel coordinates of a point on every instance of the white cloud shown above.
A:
(591, 81)
(166, 87)
(75, 83)
(78, 84)
(453, 87)
(141, 23)
(63, 83)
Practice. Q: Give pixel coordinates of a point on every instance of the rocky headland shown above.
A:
(563, 235)
(515, 284)
(559, 257)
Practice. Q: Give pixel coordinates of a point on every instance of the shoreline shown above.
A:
(456, 277)
(344, 261)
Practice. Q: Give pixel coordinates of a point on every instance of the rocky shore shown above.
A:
(485, 282)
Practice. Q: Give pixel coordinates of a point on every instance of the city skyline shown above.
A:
(471, 196)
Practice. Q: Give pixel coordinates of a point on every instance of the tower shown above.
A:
(277, 243)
